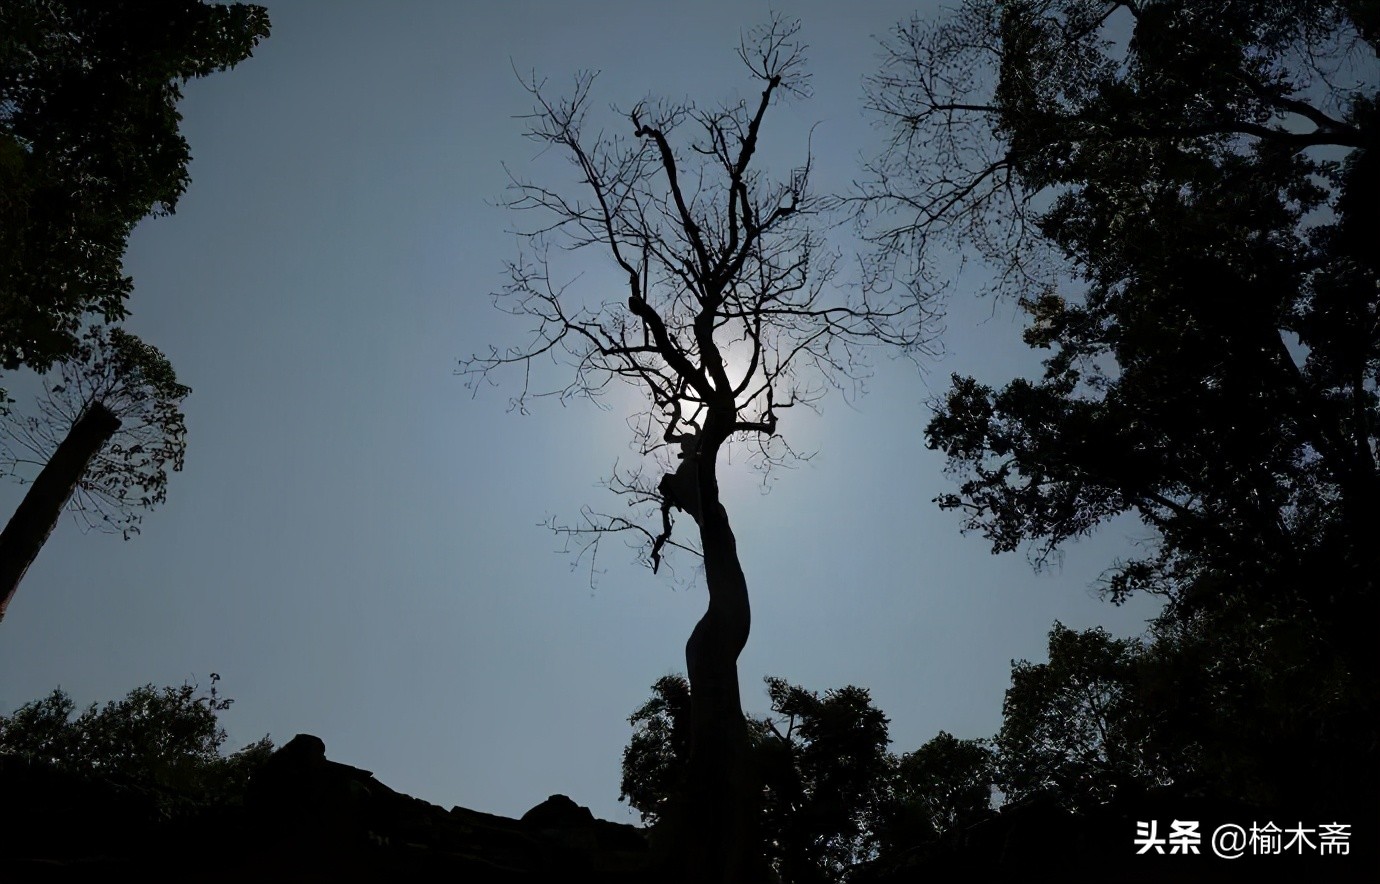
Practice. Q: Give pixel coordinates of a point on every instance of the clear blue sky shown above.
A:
(354, 544)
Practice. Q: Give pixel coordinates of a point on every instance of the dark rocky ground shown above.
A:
(307, 818)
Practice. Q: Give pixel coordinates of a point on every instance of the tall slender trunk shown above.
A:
(38, 513)
(722, 799)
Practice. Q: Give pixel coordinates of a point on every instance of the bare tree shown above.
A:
(107, 427)
(731, 316)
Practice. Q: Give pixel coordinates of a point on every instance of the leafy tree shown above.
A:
(1074, 725)
(168, 738)
(1181, 194)
(728, 322)
(41, 729)
(829, 782)
(1237, 707)
(654, 760)
(1256, 709)
(107, 430)
(823, 764)
(89, 145)
(945, 785)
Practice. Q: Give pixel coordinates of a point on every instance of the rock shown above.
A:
(304, 817)
(558, 812)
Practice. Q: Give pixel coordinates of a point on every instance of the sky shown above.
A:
(355, 545)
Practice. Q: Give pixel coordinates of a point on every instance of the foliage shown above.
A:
(1075, 725)
(168, 738)
(1237, 706)
(1182, 196)
(823, 762)
(654, 760)
(827, 771)
(138, 385)
(1204, 304)
(944, 786)
(1258, 707)
(1224, 710)
(89, 145)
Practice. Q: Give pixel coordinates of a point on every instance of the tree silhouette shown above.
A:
(106, 431)
(729, 318)
(944, 786)
(89, 145)
(827, 777)
(1077, 725)
(1181, 194)
(170, 738)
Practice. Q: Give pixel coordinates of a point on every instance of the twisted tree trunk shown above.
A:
(38, 512)
(721, 823)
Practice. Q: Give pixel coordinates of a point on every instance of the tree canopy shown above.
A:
(168, 738)
(1215, 290)
(89, 145)
(136, 384)
(824, 766)
(1180, 196)
(944, 786)
(1074, 725)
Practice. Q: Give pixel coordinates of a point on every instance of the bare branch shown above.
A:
(978, 111)
(730, 309)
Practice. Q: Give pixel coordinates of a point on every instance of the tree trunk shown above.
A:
(38, 513)
(721, 822)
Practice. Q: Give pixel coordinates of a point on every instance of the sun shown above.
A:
(737, 360)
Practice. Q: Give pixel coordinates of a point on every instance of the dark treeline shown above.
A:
(1188, 221)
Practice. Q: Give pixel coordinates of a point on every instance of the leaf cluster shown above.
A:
(1073, 725)
(89, 145)
(833, 795)
(1181, 197)
(827, 771)
(1235, 708)
(944, 786)
(168, 740)
(1174, 191)
(137, 384)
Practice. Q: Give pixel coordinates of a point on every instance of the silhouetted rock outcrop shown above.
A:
(304, 817)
